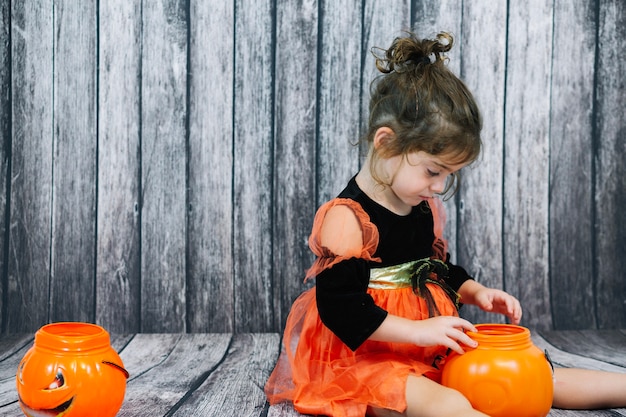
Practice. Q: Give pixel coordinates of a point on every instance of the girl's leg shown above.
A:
(426, 398)
(587, 389)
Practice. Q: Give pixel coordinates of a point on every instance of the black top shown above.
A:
(342, 300)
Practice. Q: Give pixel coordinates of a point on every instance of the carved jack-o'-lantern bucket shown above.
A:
(505, 376)
(71, 371)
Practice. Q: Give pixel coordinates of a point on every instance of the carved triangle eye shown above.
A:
(58, 382)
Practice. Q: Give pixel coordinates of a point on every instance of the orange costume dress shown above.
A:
(327, 366)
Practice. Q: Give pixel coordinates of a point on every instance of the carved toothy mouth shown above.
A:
(57, 411)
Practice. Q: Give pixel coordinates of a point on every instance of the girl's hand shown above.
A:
(497, 301)
(491, 300)
(445, 331)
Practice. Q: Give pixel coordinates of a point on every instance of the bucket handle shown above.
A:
(119, 367)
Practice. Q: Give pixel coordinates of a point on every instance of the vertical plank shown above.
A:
(118, 245)
(382, 22)
(31, 166)
(571, 182)
(210, 266)
(429, 19)
(526, 159)
(610, 171)
(338, 96)
(480, 197)
(163, 166)
(294, 149)
(253, 150)
(74, 164)
(5, 149)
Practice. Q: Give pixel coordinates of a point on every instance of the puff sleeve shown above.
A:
(344, 241)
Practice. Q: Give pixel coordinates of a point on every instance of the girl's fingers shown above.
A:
(460, 337)
(465, 325)
(456, 347)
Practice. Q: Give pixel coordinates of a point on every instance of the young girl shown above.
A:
(372, 336)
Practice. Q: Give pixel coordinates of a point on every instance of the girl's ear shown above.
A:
(382, 136)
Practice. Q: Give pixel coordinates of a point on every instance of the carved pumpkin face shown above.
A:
(79, 380)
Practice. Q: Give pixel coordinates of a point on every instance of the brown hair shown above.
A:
(428, 107)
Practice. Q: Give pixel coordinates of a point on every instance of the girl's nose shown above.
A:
(438, 185)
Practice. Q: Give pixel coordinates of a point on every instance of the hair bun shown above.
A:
(411, 53)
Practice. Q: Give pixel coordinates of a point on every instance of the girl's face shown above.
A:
(416, 177)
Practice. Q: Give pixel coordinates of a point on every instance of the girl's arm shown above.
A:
(446, 331)
(491, 300)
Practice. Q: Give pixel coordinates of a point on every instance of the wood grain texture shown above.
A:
(164, 368)
(582, 413)
(72, 283)
(526, 160)
(166, 159)
(31, 167)
(610, 170)
(119, 341)
(430, 17)
(339, 96)
(236, 385)
(118, 273)
(283, 410)
(295, 119)
(571, 170)
(483, 69)
(210, 260)
(11, 343)
(253, 171)
(5, 146)
(12, 349)
(8, 394)
(164, 166)
(601, 345)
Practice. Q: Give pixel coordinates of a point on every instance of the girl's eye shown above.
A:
(432, 173)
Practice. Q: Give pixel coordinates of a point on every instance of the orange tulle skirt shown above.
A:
(322, 376)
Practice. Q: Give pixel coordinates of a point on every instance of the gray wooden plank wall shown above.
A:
(161, 162)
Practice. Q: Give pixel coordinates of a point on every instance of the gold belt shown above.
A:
(416, 274)
(392, 277)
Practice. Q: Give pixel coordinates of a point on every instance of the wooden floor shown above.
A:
(223, 374)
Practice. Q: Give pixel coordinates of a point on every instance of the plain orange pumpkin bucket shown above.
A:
(71, 371)
(505, 376)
